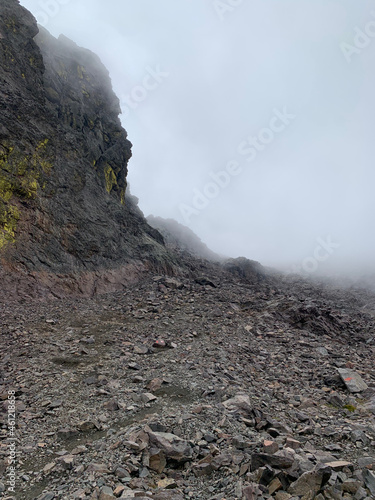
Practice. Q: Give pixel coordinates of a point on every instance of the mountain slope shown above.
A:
(181, 238)
(63, 166)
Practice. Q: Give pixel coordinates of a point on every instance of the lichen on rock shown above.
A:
(9, 217)
(20, 176)
(110, 178)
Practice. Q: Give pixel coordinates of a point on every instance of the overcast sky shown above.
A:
(252, 121)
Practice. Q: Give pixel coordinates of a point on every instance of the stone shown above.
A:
(294, 444)
(102, 468)
(261, 459)
(311, 482)
(358, 435)
(167, 483)
(144, 472)
(158, 427)
(67, 461)
(55, 404)
(222, 460)
(142, 439)
(251, 492)
(128, 493)
(79, 450)
(361, 494)
(365, 461)
(91, 380)
(87, 340)
(132, 445)
(159, 344)
(274, 486)
(351, 486)
(148, 397)
(239, 442)
(173, 447)
(79, 494)
(112, 405)
(370, 405)
(270, 447)
(283, 495)
(121, 473)
(106, 493)
(369, 478)
(141, 350)
(352, 380)
(173, 283)
(66, 433)
(155, 384)
(241, 403)
(335, 400)
(134, 366)
(164, 495)
(157, 460)
(87, 425)
(203, 469)
(339, 464)
(48, 467)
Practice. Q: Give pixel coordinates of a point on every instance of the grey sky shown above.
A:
(220, 73)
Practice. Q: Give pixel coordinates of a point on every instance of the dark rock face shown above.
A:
(64, 221)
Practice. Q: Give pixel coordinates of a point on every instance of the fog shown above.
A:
(251, 122)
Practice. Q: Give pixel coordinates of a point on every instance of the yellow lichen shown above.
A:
(19, 178)
(11, 24)
(122, 196)
(80, 71)
(8, 224)
(110, 178)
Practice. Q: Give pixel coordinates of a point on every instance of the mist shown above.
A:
(251, 122)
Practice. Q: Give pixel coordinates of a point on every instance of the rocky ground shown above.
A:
(204, 388)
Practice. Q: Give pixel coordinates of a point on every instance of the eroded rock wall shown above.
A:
(63, 167)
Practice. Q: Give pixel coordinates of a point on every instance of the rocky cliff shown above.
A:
(182, 239)
(64, 221)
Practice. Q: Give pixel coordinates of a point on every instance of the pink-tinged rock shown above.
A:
(270, 447)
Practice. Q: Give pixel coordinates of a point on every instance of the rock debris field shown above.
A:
(203, 388)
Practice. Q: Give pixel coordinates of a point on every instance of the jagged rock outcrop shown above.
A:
(64, 222)
(181, 238)
(245, 269)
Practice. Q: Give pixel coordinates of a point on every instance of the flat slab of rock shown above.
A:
(339, 464)
(262, 459)
(352, 380)
(173, 447)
